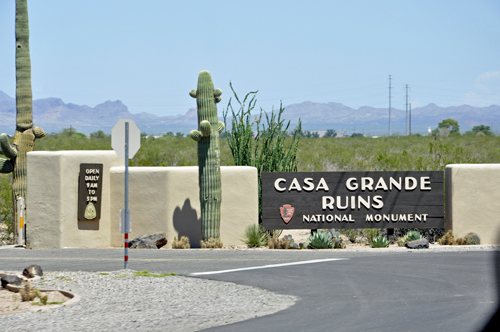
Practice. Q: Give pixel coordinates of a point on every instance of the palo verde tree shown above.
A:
(450, 125)
(207, 136)
(486, 130)
(26, 134)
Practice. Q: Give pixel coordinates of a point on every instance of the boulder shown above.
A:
(418, 244)
(32, 271)
(10, 279)
(150, 241)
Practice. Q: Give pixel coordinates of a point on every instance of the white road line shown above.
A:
(266, 266)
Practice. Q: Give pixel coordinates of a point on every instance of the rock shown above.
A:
(418, 244)
(32, 271)
(10, 279)
(150, 241)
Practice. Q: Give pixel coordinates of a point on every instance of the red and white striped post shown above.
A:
(22, 229)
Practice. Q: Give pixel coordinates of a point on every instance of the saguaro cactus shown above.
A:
(26, 134)
(207, 136)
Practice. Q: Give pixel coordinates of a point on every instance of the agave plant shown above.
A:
(380, 242)
(413, 235)
(320, 240)
(410, 236)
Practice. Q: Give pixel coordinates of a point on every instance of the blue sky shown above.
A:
(148, 53)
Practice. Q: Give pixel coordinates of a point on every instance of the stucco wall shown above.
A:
(473, 201)
(162, 199)
(52, 202)
(166, 199)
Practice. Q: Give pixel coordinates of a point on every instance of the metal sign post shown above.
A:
(126, 195)
(128, 141)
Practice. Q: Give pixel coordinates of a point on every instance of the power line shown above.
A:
(406, 131)
(389, 105)
(410, 119)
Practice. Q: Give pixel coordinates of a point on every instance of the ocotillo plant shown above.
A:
(269, 150)
(26, 134)
(207, 136)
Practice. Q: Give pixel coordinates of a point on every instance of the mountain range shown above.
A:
(53, 115)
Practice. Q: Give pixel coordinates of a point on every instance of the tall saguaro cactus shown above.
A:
(26, 134)
(207, 136)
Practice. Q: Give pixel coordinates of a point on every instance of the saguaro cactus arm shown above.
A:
(220, 127)
(7, 150)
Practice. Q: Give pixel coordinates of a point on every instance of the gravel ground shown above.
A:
(117, 301)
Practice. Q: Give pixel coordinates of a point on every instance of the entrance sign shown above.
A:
(319, 200)
(89, 192)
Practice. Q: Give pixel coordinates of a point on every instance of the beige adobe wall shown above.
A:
(473, 201)
(52, 202)
(166, 199)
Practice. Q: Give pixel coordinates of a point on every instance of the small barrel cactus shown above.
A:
(472, 239)
(207, 136)
(183, 243)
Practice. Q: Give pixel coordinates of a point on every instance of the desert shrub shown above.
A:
(254, 236)
(352, 234)
(380, 242)
(371, 234)
(277, 243)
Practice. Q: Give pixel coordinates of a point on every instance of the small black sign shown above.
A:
(319, 200)
(89, 192)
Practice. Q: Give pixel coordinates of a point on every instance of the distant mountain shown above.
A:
(53, 115)
(375, 121)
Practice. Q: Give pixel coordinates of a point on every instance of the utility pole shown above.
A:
(406, 132)
(410, 119)
(389, 105)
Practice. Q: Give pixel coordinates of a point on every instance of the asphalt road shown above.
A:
(403, 291)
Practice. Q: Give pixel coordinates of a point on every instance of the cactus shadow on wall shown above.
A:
(187, 223)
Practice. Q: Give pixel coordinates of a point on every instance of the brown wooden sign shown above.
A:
(89, 192)
(319, 200)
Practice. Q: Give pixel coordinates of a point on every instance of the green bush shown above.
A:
(6, 212)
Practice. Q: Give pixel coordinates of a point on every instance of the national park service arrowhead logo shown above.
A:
(90, 211)
(286, 212)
